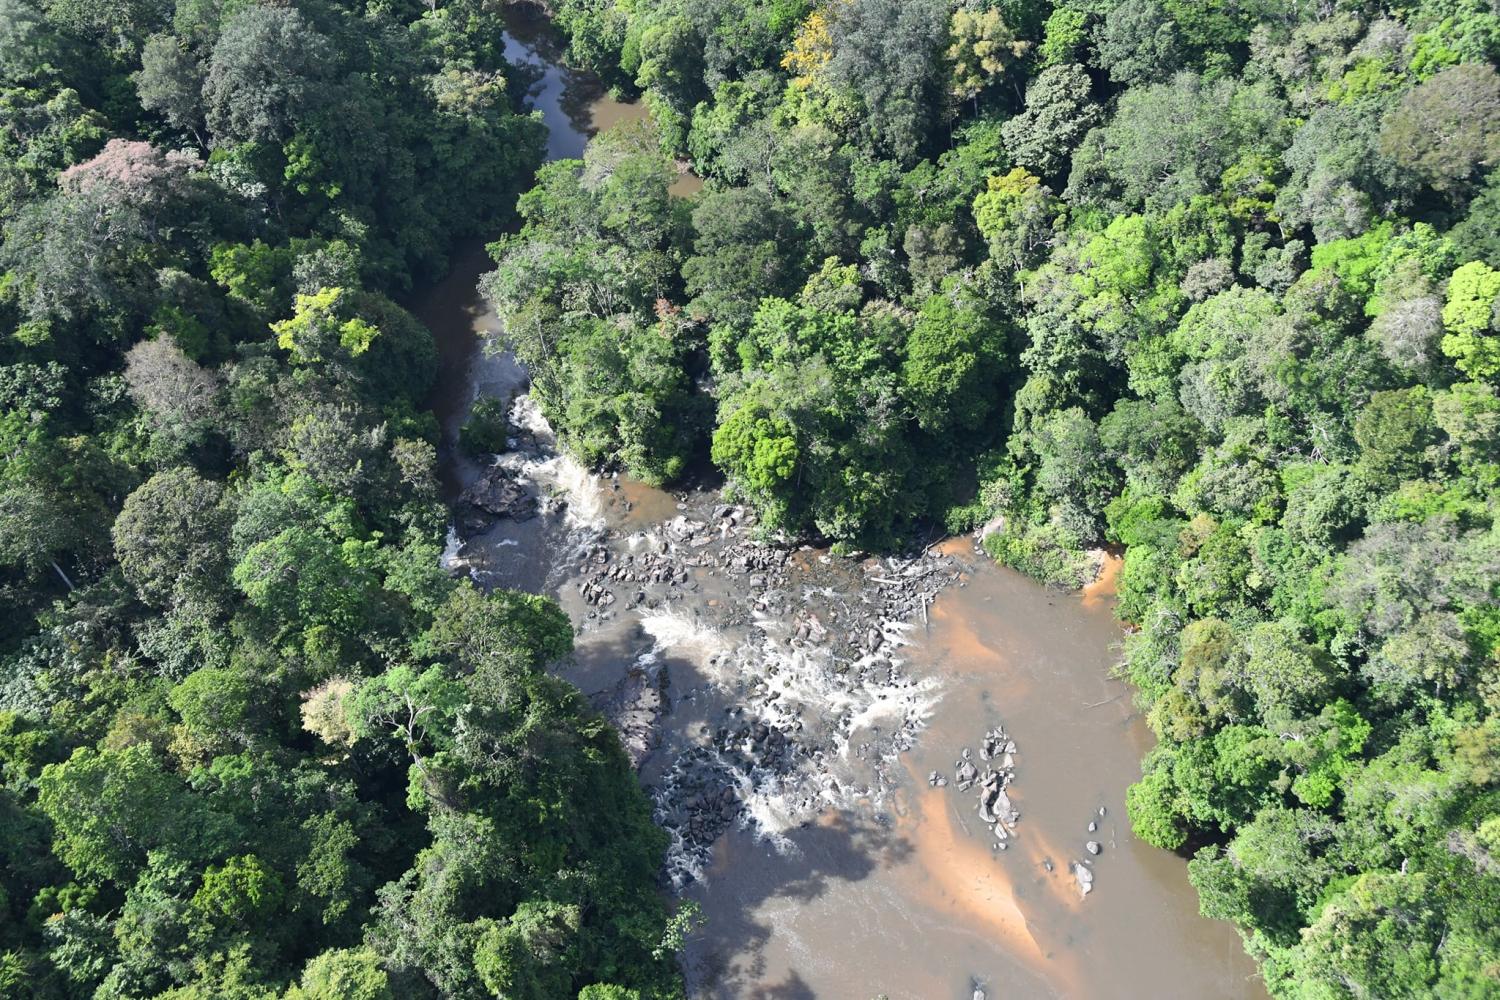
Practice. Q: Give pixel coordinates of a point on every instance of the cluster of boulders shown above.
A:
(756, 744)
(1084, 876)
(997, 751)
(497, 493)
(688, 542)
(1083, 872)
(789, 607)
(595, 592)
(745, 557)
(842, 626)
(702, 791)
(907, 586)
(630, 571)
(696, 801)
(807, 629)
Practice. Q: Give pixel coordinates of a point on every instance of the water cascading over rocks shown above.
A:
(789, 658)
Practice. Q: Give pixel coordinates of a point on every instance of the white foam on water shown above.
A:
(681, 866)
(851, 715)
(905, 705)
(828, 705)
(806, 678)
(635, 541)
(801, 689)
(809, 678)
(450, 558)
(771, 812)
(676, 630)
(526, 414)
(846, 714)
(582, 491)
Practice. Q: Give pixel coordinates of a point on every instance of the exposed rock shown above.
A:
(994, 744)
(499, 493)
(757, 749)
(1092, 847)
(1003, 808)
(635, 705)
(1084, 877)
(965, 775)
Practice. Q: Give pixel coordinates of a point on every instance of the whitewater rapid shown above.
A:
(780, 689)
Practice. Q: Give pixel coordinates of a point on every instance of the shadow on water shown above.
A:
(460, 321)
(729, 959)
(792, 989)
(750, 884)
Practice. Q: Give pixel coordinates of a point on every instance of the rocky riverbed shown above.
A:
(789, 658)
(783, 705)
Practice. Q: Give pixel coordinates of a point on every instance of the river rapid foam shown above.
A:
(755, 683)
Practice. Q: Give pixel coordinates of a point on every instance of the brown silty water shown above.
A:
(911, 900)
(787, 708)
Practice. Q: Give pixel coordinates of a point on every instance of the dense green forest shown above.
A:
(254, 742)
(1214, 281)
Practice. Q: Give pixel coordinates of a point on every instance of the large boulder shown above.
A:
(499, 493)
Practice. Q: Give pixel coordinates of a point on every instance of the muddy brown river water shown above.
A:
(910, 900)
(826, 863)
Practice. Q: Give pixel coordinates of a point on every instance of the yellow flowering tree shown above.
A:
(983, 46)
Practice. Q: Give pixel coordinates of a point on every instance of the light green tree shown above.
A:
(1469, 317)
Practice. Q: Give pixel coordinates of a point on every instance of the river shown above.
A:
(788, 708)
